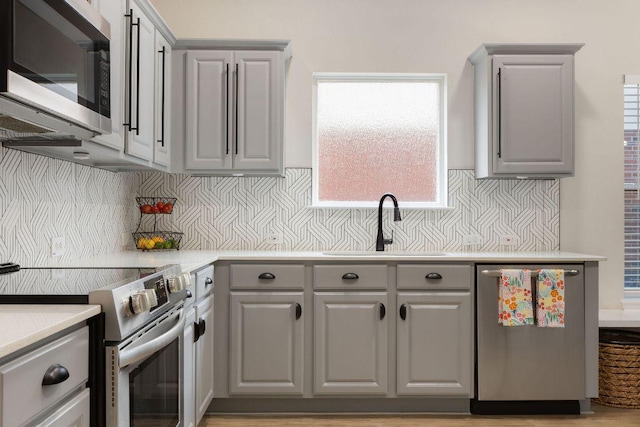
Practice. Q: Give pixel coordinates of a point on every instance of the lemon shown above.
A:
(142, 243)
(150, 244)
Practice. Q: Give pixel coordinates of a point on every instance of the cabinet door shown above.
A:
(75, 413)
(114, 11)
(141, 88)
(259, 105)
(204, 357)
(209, 87)
(190, 379)
(266, 336)
(162, 114)
(533, 114)
(350, 335)
(434, 347)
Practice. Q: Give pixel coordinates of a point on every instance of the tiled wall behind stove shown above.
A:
(238, 213)
(41, 198)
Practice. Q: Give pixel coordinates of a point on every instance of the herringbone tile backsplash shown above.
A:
(238, 213)
(95, 211)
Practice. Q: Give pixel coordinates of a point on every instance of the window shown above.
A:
(631, 183)
(379, 133)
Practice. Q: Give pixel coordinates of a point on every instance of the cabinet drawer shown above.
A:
(441, 276)
(204, 282)
(352, 276)
(267, 276)
(23, 394)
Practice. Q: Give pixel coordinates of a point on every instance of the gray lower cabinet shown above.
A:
(434, 340)
(350, 337)
(266, 343)
(189, 376)
(74, 413)
(26, 400)
(204, 356)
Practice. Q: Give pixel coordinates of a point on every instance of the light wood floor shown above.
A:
(603, 417)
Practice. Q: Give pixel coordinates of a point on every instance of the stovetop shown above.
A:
(63, 285)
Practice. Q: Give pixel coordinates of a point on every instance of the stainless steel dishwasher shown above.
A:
(530, 363)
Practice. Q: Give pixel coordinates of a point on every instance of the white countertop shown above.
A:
(194, 259)
(27, 324)
(23, 325)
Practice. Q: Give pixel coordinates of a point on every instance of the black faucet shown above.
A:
(381, 241)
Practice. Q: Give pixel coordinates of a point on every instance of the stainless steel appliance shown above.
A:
(54, 72)
(142, 313)
(529, 368)
(144, 325)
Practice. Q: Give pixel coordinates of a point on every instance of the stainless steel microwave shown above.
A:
(54, 69)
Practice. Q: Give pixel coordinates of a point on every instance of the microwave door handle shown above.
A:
(136, 353)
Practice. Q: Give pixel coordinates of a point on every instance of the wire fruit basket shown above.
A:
(155, 205)
(149, 238)
(157, 240)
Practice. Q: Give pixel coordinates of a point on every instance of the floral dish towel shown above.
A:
(515, 306)
(550, 301)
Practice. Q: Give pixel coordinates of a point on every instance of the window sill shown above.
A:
(611, 318)
(386, 206)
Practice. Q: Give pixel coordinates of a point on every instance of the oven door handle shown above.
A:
(135, 354)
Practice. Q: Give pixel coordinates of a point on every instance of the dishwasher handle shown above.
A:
(496, 273)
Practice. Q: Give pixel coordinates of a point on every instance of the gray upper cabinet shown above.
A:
(524, 114)
(140, 87)
(233, 109)
(162, 118)
(140, 78)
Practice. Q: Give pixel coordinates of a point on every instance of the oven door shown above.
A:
(144, 375)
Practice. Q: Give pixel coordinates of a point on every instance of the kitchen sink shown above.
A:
(383, 253)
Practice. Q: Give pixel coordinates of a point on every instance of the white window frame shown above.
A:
(442, 175)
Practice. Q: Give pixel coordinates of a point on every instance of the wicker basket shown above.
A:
(619, 369)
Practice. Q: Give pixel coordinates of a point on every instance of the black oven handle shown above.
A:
(135, 353)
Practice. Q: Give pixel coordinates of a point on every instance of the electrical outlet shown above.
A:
(274, 238)
(58, 246)
(471, 239)
(57, 274)
(508, 240)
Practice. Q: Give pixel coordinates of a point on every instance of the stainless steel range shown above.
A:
(144, 324)
(136, 342)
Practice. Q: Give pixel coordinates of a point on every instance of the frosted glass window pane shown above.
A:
(378, 136)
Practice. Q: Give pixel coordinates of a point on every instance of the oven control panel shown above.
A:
(129, 306)
(158, 287)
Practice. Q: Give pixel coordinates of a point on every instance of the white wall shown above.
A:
(437, 36)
